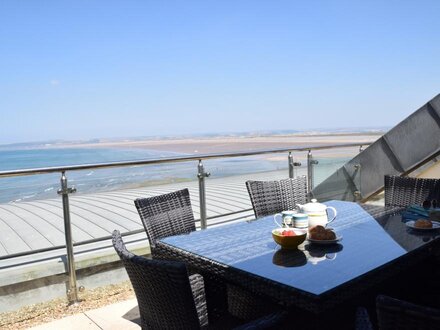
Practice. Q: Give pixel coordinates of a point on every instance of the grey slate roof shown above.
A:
(27, 226)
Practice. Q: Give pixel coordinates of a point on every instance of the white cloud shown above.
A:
(55, 82)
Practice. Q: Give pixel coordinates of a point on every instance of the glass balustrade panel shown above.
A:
(227, 197)
(333, 176)
(31, 215)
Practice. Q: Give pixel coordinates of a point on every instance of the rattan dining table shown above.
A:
(376, 244)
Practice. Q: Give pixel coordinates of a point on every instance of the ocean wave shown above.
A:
(48, 189)
(29, 196)
(90, 173)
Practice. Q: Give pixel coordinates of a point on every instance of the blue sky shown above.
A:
(87, 69)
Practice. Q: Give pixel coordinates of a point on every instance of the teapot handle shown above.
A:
(334, 211)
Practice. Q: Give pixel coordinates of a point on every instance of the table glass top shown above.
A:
(366, 245)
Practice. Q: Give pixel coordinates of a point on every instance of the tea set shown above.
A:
(309, 215)
(293, 226)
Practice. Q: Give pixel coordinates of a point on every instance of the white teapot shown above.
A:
(317, 213)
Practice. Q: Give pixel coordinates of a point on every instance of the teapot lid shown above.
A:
(314, 206)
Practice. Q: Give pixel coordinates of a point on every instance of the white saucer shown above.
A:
(325, 242)
(435, 225)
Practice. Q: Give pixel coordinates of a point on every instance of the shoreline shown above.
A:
(138, 176)
(226, 143)
(209, 144)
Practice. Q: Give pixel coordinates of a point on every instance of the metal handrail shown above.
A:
(72, 291)
(56, 169)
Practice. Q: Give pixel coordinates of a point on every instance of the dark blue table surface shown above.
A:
(367, 244)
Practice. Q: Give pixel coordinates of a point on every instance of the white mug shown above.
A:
(300, 220)
(286, 218)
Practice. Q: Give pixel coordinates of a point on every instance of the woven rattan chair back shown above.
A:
(162, 290)
(166, 215)
(269, 197)
(397, 314)
(404, 191)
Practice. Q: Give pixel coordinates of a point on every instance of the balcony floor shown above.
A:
(121, 315)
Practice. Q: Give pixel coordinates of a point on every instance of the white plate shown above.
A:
(325, 242)
(435, 225)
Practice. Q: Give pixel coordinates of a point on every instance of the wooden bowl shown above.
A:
(289, 242)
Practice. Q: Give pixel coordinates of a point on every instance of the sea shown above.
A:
(44, 186)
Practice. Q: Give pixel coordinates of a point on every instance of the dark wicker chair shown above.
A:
(393, 314)
(166, 215)
(171, 214)
(170, 299)
(270, 197)
(404, 191)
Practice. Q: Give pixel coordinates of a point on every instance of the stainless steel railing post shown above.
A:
(310, 175)
(202, 195)
(292, 165)
(72, 291)
(357, 194)
(291, 168)
(309, 171)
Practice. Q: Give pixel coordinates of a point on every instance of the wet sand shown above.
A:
(222, 144)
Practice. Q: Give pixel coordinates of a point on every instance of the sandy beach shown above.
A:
(222, 144)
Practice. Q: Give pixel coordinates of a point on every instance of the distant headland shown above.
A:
(216, 142)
